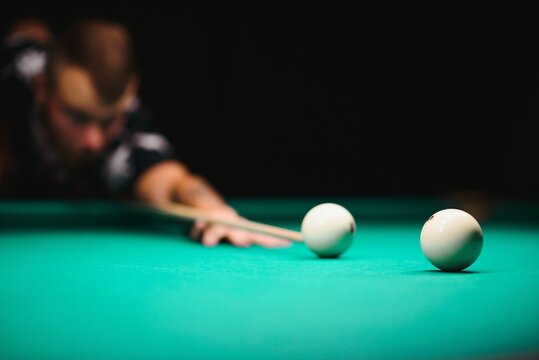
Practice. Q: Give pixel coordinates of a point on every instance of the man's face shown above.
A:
(80, 124)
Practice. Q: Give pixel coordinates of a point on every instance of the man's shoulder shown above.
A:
(22, 59)
(141, 146)
(141, 118)
(142, 130)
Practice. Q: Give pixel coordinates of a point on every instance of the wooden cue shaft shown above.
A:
(191, 213)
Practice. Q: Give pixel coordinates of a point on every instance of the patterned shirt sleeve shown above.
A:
(20, 61)
(142, 147)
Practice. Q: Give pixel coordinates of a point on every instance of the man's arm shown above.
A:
(172, 181)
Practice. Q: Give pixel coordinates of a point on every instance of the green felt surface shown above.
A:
(105, 292)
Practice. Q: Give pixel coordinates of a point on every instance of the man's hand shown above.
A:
(211, 234)
(172, 181)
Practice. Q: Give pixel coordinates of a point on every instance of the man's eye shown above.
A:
(77, 117)
(106, 122)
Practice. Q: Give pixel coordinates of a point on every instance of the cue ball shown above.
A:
(328, 230)
(451, 239)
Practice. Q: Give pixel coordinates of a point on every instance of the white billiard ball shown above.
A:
(328, 230)
(451, 239)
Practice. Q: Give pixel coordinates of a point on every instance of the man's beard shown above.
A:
(86, 162)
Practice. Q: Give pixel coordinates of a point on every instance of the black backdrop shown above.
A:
(333, 99)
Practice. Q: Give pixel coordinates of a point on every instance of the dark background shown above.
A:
(338, 99)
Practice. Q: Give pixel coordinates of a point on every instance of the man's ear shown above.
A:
(133, 86)
(40, 86)
(131, 91)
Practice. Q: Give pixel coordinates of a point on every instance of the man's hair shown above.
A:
(102, 48)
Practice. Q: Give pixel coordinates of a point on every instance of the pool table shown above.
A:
(103, 280)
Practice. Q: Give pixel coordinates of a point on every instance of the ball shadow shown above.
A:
(318, 259)
(444, 273)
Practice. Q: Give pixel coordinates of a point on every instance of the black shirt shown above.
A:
(37, 171)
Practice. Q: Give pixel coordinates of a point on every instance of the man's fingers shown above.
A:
(213, 234)
(239, 238)
(197, 229)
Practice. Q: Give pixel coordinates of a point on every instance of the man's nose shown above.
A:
(94, 138)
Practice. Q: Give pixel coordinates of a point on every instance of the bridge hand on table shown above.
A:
(212, 234)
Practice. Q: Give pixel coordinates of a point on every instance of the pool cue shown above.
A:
(190, 213)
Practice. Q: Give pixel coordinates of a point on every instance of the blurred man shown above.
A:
(71, 126)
